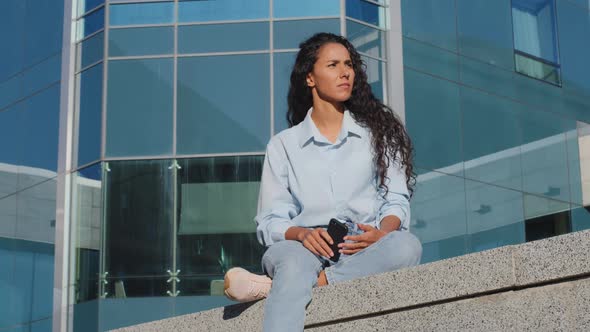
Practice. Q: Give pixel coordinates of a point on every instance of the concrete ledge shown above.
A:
(434, 290)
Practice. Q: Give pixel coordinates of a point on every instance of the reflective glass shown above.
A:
(438, 215)
(90, 23)
(535, 207)
(221, 10)
(39, 133)
(487, 77)
(375, 69)
(544, 155)
(90, 51)
(283, 65)
(494, 216)
(580, 218)
(89, 113)
(432, 22)
(537, 69)
(36, 212)
(365, 39)
(87, 5)
(302, 8)
(289, 34)
(434, 123)
(217, 198)
(223, 37)
(138, 210)
(122, 312)
(538, 93)
(42, 75)
(141, 41)
(485, 31)
(43, 30)
(492, 137)
(11, 147)
(7, 206)
(430, 59)
(141, 13)
(11, 90)
(578, 152)
(544, 222)
(534, 28)
(366, 12)
(12, 34)
(217, 93)
(139, 107)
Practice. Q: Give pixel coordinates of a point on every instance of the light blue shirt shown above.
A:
(307, 180)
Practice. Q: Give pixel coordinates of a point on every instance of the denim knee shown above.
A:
(406, 246)
(292, 258)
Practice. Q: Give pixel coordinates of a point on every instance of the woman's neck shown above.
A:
(327, 117)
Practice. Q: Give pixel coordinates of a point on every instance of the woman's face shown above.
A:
(332, 76)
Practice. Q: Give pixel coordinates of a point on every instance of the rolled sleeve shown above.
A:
(396, 202)
(276, 206)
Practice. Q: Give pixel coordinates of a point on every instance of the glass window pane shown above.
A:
(365, 39)
(366, 12)
(205, 11)
(580, 218)
(433, 22)
(490, 156)
(434, 123)
(43, 30)
(494, 216)
(534, 28)
(574, 51)
(12, 32)
(485, 31)
(302, 8)
(578, 152)
(438, 215)
(42, 74)
(141, 13)
(537, 69)
(11, 90)
(36, 211)
(211, 237)
(289, 34)
(89, 112)
(139, 210)
(7, 207)
(207, 101)
(11, 147)
(139, 107)
(283, 65)
(90, 23)
(375, 69)
(87, 5)
(90, 51)
(223, 37)
(430, 59)
(141, 41)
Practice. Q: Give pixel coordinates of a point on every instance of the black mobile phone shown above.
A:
(337, 232)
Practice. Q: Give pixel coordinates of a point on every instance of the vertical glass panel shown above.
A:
(366, 12)
(580, 218)
(534, 28)
(375, 70)
(545, 218)
(139, 107)
(492, 138)
(141, 13)
(90, 51)
(537, 69)
(205, 11)
(434, 123)
(138, 211)
(538, 93)
(438, 215)
(7, 210)
(283, 65)
(544, 155)
(85, 316)
(208, 100)
(366, 39)
(141, 41)
(11, 147)
(289, 34)
(43, 30)
(89, 112)
(494, 216)
(39, 133)
(433, 22)
(12, 32)
(115, 313)
(578, 151)
(488, 77)
(87, 5)
(485, 31)
(302, 8)
(36, 212)
(217, 198)
(223, 37)
(11, 90)
(90, 23)
(430, 59)
(42, 74)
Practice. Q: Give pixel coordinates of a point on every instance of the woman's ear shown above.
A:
(309, 80)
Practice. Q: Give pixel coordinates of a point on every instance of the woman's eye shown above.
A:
(332, 65)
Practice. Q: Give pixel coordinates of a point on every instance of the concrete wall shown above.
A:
(541, 285)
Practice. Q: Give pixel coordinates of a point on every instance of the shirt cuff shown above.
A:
(277, 231)
(394, 211)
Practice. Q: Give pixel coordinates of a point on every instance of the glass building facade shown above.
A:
(133, 135)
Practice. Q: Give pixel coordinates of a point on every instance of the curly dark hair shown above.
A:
(390, 139)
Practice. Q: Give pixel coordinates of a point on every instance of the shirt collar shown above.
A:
(310, 131)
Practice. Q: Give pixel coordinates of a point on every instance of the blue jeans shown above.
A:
(294, 270)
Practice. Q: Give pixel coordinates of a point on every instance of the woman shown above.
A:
(345, 156)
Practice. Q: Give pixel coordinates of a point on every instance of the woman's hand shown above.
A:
(316, 240)
(362, 241)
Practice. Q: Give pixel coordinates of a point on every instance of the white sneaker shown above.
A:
(243, 286)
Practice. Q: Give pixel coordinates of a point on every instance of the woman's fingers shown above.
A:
(354, 245)
(326, 235)
(322, 245)
(350, 252)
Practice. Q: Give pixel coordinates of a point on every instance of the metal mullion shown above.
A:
(175, 78)
(343, 18)
(271, 57)
(93, 10)
(372, 56)
(380, 4)
(105, 68)
(132, 26)
(174, 241)
(90, 36)
(365, 23)
(305, 18)
(286, 50)
(120, 2)
(187, 156)
(136, 57)
(256, 20)
(223, 53)
(89, 66)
